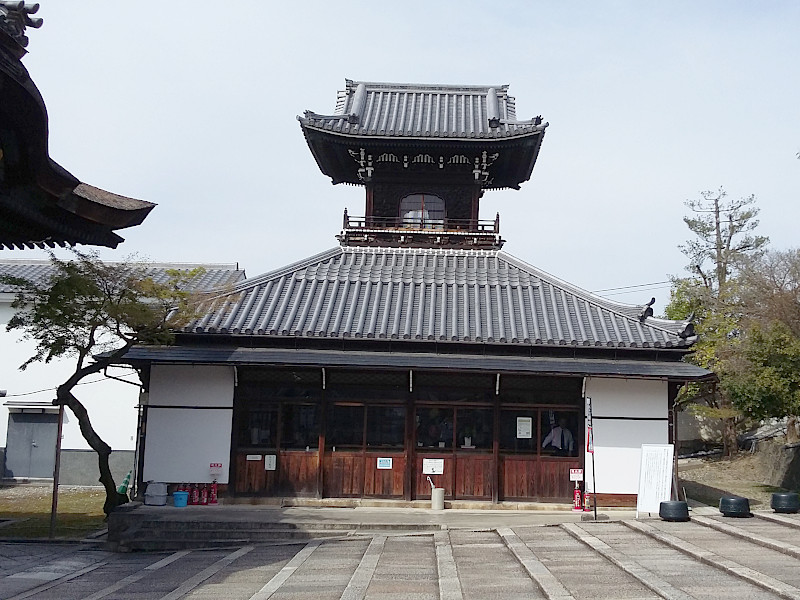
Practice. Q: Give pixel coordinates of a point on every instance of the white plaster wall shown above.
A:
(191, 385)
(617, 442)
(182, 439)
(111, 404)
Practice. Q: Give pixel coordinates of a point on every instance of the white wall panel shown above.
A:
(192, 385)
(618, 441)
(618, 453)
(627, 397)
(181, 442)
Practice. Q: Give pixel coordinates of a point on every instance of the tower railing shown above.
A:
(421, 224)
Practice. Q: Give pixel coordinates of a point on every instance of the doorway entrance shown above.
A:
(31, 444)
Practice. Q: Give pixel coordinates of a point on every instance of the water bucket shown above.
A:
(180, 499)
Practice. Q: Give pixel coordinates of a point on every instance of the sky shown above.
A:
(193, 105)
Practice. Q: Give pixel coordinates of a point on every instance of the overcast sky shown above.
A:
(193, 105)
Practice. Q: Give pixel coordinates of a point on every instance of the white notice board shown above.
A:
(655, 477)
(432, 466)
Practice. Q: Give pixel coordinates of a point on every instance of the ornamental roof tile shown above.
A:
(477, 296)
(423, 111)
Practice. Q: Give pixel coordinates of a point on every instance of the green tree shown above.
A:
(93, 312)
(724, 239)
(765, 382)
(766, 372)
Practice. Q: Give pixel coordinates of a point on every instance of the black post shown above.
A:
(56, 471)
(591, 441)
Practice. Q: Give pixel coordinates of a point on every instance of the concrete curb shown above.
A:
(775, 518)
(449, 583)
(766, 542)
(552, 588)
(646, 577)
(784, 590)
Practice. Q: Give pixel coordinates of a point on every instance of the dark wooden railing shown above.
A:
(413, 224)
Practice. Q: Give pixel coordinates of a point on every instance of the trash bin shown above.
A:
(437, 498)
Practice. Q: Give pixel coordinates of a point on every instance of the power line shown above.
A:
(630, 287)
(54, 389)
(663, 287)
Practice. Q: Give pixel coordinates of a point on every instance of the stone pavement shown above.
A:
(458, 557)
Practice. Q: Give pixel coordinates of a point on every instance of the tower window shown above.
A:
(422, 211)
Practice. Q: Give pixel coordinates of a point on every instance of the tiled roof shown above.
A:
(413, 111)
(478, 296)
(215, 275)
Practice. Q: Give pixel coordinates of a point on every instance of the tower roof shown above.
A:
(404, 110)
(396, 123)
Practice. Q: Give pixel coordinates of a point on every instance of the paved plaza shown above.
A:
(710, 557)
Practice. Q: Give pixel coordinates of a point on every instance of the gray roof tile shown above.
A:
(479, 296)
(414, 111)
(215, 275)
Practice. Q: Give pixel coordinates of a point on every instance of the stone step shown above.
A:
(204, 539)
(173, 525)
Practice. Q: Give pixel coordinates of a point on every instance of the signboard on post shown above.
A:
(655, 477)
(576, 474)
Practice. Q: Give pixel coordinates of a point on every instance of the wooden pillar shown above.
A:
(496, 450)
(476, 195)
(370, 205)
(410, 452)
(321, 444)
(233, 489)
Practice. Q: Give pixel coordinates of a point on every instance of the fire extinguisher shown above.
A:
(587, 502)
(577, 500)
(194, 494)
(212, 496)
(204, 494)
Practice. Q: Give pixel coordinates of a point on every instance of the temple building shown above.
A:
(41, 203)
(416, 348)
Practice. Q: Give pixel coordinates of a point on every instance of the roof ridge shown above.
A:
(281, 271)
(389, 85)
(592, 298)
(155, 265)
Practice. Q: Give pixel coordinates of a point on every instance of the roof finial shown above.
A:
(647, 310)
(15, 16)
(359, 99)
(492, 108)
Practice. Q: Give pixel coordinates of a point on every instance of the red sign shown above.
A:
(589, 440)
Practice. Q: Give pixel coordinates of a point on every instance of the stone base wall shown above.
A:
(781, 464)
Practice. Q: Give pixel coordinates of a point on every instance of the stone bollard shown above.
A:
(437, 498)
